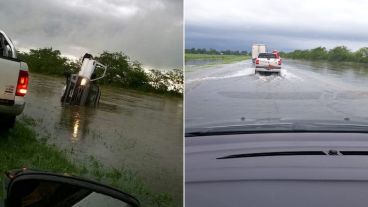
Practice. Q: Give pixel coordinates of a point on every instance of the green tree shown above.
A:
(340, 53)
(120, 70)
(361, 55)
(45, 60)
(319, 53)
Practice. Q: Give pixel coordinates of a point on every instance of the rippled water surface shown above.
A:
(304, 90)
(129, 129)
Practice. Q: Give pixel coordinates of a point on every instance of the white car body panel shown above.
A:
(10, 104)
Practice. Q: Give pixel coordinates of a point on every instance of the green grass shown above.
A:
(21, 147)
(225, 58)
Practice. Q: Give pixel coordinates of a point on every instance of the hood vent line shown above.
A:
(267, 154)
(296, 153)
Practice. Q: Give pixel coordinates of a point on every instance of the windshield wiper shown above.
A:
(330, 152)
(240, 129)
(266, 154)
(298, 126)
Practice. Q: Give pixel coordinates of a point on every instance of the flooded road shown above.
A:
(199, 62)
(129, 129)
(305, 90)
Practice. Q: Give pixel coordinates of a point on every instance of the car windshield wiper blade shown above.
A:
(273, 154)
(302, 126)
(240, 129)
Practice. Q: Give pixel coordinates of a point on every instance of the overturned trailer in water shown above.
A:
(82, 88)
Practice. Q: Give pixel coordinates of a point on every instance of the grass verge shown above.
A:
(225, 58)
(210, 60)
(20, 147)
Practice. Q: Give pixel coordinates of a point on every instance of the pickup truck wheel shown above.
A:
(7, 122)
(11, 122)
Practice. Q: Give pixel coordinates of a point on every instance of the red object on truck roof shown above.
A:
(276, 53)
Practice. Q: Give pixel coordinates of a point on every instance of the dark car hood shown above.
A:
(202, 153)
(329, 178)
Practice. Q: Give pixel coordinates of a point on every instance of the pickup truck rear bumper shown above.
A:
(12, 109)
(268, 66)
(275, 69)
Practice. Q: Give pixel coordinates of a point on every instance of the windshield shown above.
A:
(320, 79)
(266, 55)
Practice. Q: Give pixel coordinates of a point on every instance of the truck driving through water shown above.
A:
(268, 63)
(13, 82)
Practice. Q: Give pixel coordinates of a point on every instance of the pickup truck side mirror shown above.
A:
(32, 188)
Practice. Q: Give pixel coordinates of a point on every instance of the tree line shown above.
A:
(212, 51)
(339, 53)
(121, 71)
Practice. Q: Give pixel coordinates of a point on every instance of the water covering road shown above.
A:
(305, 90)
(129, 129)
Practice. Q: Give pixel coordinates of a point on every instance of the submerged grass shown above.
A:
(225, 58)
(217, 59)
(20, 147)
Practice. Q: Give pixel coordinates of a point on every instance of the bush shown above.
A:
(120, 72)
(45, 60)
(339, 53)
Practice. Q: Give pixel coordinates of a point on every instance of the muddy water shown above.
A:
(129, 129)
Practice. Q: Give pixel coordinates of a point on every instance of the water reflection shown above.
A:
(355, 70)
(77, 119)
(75, 127)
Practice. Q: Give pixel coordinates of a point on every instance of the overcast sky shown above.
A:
(149, 31)
(281, 24)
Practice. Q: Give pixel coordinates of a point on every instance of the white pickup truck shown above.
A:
(268, 62)
(13, 82)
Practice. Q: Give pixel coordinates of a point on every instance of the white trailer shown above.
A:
(256, 49)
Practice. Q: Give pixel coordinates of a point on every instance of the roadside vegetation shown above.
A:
(339, 53)
(22, 148)
(215, 52)
(223, 57)
(121, 72)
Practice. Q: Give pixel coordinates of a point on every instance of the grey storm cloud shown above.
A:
(148, 31)
(283, 24)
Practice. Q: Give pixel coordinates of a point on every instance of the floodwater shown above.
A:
(129, 129)
(304, 90)
(202, 62)
(194, 64)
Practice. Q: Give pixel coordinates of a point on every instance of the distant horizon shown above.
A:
(285, 26)
(286, 50)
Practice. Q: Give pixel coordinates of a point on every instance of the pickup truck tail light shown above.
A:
(257, 61)
(22, 85)
(279, 62)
